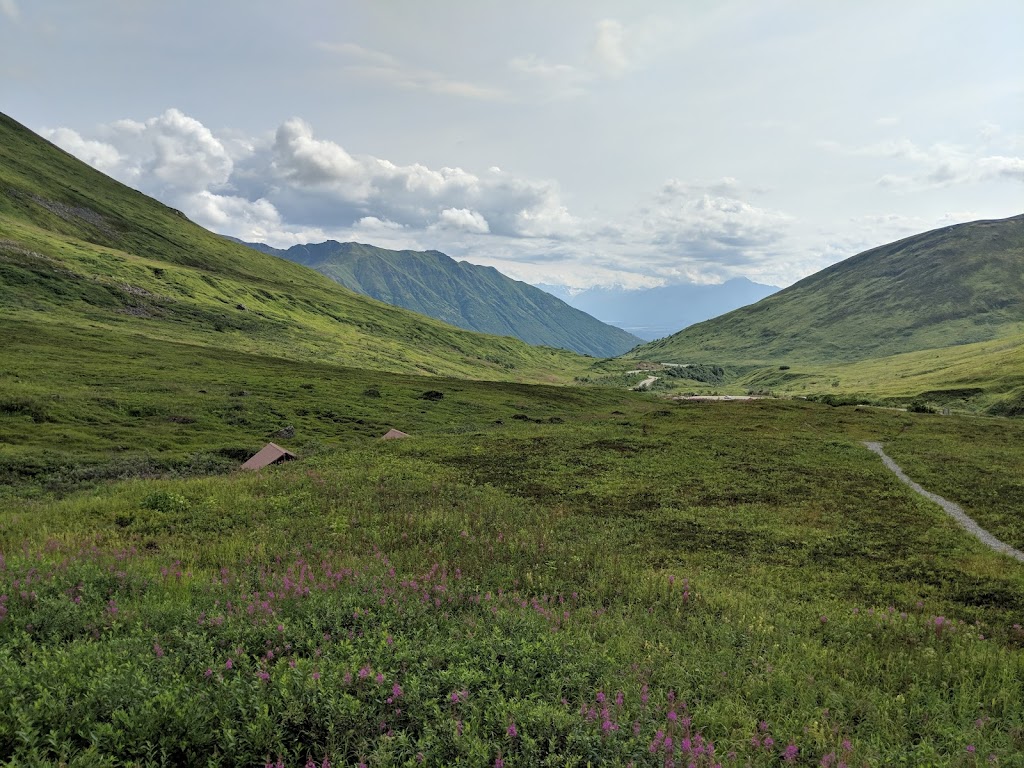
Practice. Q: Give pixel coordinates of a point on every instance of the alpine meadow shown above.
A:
(479, 527)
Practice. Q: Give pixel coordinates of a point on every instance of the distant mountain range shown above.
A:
(464, 295)
(653, 313)
(952, 286)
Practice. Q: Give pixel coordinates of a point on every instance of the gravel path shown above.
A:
(645, 384)
(953, 510)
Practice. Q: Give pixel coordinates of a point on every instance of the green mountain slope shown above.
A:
(78, 248)
(958, 285)
(465, 295)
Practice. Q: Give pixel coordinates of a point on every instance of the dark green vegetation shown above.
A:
(462, 294)
(79, 404)
(486, 591)
(78, 248)
(541, 575)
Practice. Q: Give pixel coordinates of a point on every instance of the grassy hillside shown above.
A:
(91, 403)
(465, 295)
(952, 286)
(78, 248)
(986, 376)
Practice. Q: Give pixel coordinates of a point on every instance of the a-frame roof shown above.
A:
(268, 454)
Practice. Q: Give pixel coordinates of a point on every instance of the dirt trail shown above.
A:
(710, 398)
(645, 384)
(951, 509)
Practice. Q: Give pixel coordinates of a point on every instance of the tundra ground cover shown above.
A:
(642, 583)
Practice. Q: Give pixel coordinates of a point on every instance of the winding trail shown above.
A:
(953, 510)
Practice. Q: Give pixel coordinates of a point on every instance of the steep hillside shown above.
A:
(951, 286)
(465, 295)
(78, 248)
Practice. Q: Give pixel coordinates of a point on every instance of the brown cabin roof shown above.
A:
(271, 453)
(393, 434)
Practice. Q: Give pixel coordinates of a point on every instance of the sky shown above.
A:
(572, 143)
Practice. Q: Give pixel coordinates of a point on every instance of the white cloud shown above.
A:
(609, 48)
(306, 160)
(360, 53)
(186, 155)
(9, 8)
(555, 80)
(368, 64)
(98, 154)
(942, 164)
(248, 219)
(464, 219)
(293, 186)
(712, 222)
(547, 217)
(295, 181)
(168, 156)
(610, 56)
(997, 166)
(373, 224)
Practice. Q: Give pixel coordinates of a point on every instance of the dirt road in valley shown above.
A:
(953, 510)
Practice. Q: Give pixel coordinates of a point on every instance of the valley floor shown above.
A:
(540, 576)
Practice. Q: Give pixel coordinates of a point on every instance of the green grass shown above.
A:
(986, 377)
(81, 403)
(773, 512)
(983, 377)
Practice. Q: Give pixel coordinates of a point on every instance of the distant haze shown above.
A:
(654, 313)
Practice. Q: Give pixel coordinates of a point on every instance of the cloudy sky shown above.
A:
(573, 142)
